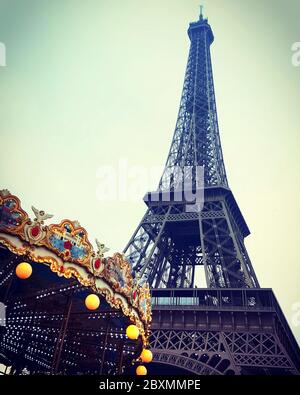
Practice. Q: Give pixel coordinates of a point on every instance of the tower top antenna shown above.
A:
(201, 13)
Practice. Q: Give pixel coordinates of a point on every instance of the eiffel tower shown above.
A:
(231, 327)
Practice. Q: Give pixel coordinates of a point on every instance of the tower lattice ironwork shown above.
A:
(233, 326)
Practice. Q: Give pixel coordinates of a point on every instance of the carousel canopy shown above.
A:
(63, 259)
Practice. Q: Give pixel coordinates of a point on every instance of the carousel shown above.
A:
(65, 307)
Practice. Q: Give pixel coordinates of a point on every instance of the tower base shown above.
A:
(221, 332)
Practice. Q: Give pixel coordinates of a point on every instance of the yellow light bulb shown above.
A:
(92, 302)
(132, 332)
(146, 356)
(23, 270)
(141, 371)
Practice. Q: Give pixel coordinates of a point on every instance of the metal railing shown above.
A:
(227, 299)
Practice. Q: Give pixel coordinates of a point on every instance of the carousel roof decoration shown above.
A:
(65, 248)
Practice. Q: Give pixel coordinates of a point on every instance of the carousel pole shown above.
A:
(120, 366)
(104, 346)
(62, 335)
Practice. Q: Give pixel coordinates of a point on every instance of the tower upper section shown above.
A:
(196, 27)
(196, 140)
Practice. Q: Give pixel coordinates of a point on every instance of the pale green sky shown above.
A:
(89, 82)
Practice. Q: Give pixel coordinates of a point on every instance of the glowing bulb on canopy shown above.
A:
(92, 302)
(141, 371)
(23, 270)
(146, 356)
(132, 332)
